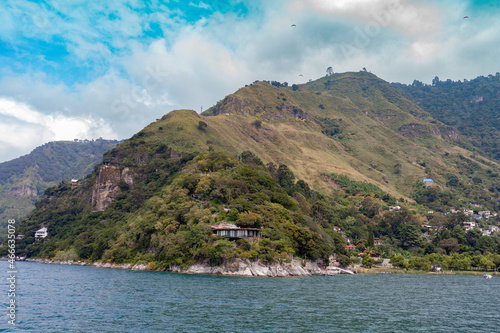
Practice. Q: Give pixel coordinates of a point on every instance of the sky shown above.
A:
(85, 69)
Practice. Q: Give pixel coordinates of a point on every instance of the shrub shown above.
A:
(367, 261)
(202, 125)
(344, 261)
(257, 123)
(249, 220)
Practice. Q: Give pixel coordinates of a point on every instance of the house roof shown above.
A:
(230, 226)
(224, 225)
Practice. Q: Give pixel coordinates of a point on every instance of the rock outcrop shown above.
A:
(24, 191)
(420, 131)
(137, 267)
(240, 267)
(244, 267)
(127, 176)
(106, 187)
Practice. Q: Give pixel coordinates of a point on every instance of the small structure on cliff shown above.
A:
(428, 182)
(41, 233)
(230, 230)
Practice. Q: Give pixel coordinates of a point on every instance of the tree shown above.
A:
(295, 87)
(397, 260)
(202, 125)
(452, 180)
(486, 264)
(272, 170)
(449, 245)
(249, 220)
(367, 261)
(417, 83)
(249, 157)
(459, 262)
(459, 233)
(397, 168)
(420, 263)
(456, 219)
(435, 81)
(370, 207)
(257, 123)
(344, 261)
(329, 71)
(370, 242)
(303, 188)
(473, 236)
(409, 235)
(285, 176)
(486, 244)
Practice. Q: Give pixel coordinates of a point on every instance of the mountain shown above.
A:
(353, 124)
(471, 106)
(24, 179)
(295, 161)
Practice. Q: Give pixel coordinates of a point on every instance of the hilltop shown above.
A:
(353, 124)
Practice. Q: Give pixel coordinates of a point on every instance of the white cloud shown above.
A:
(201, 5)
(409, 16)
(132, 79)
(22, 128)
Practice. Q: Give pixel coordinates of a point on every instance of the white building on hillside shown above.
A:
(41, 233)
(469, 225)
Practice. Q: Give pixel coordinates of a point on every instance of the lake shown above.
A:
(57, 298)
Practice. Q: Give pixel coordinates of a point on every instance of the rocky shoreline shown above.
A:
(240, 267)
(137, 267)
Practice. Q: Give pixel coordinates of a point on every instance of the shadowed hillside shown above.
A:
(354, 124)
(472, 107)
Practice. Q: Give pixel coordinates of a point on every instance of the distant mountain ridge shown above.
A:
(24, 179)
(470, 106)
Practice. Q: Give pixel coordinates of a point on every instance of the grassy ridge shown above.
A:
(353, 124)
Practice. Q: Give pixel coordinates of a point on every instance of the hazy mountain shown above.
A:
(24, 179)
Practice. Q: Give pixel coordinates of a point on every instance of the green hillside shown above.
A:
(472, 107)
(294, 161)
(166, 216)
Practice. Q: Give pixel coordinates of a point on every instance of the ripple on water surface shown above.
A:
(54, 298)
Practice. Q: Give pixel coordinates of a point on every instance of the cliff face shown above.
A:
(419, 131)
(107, 186)
(24, 191)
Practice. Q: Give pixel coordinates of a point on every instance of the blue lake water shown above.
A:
(56, 298)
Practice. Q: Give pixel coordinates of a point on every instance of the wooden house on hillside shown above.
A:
(229, 230)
